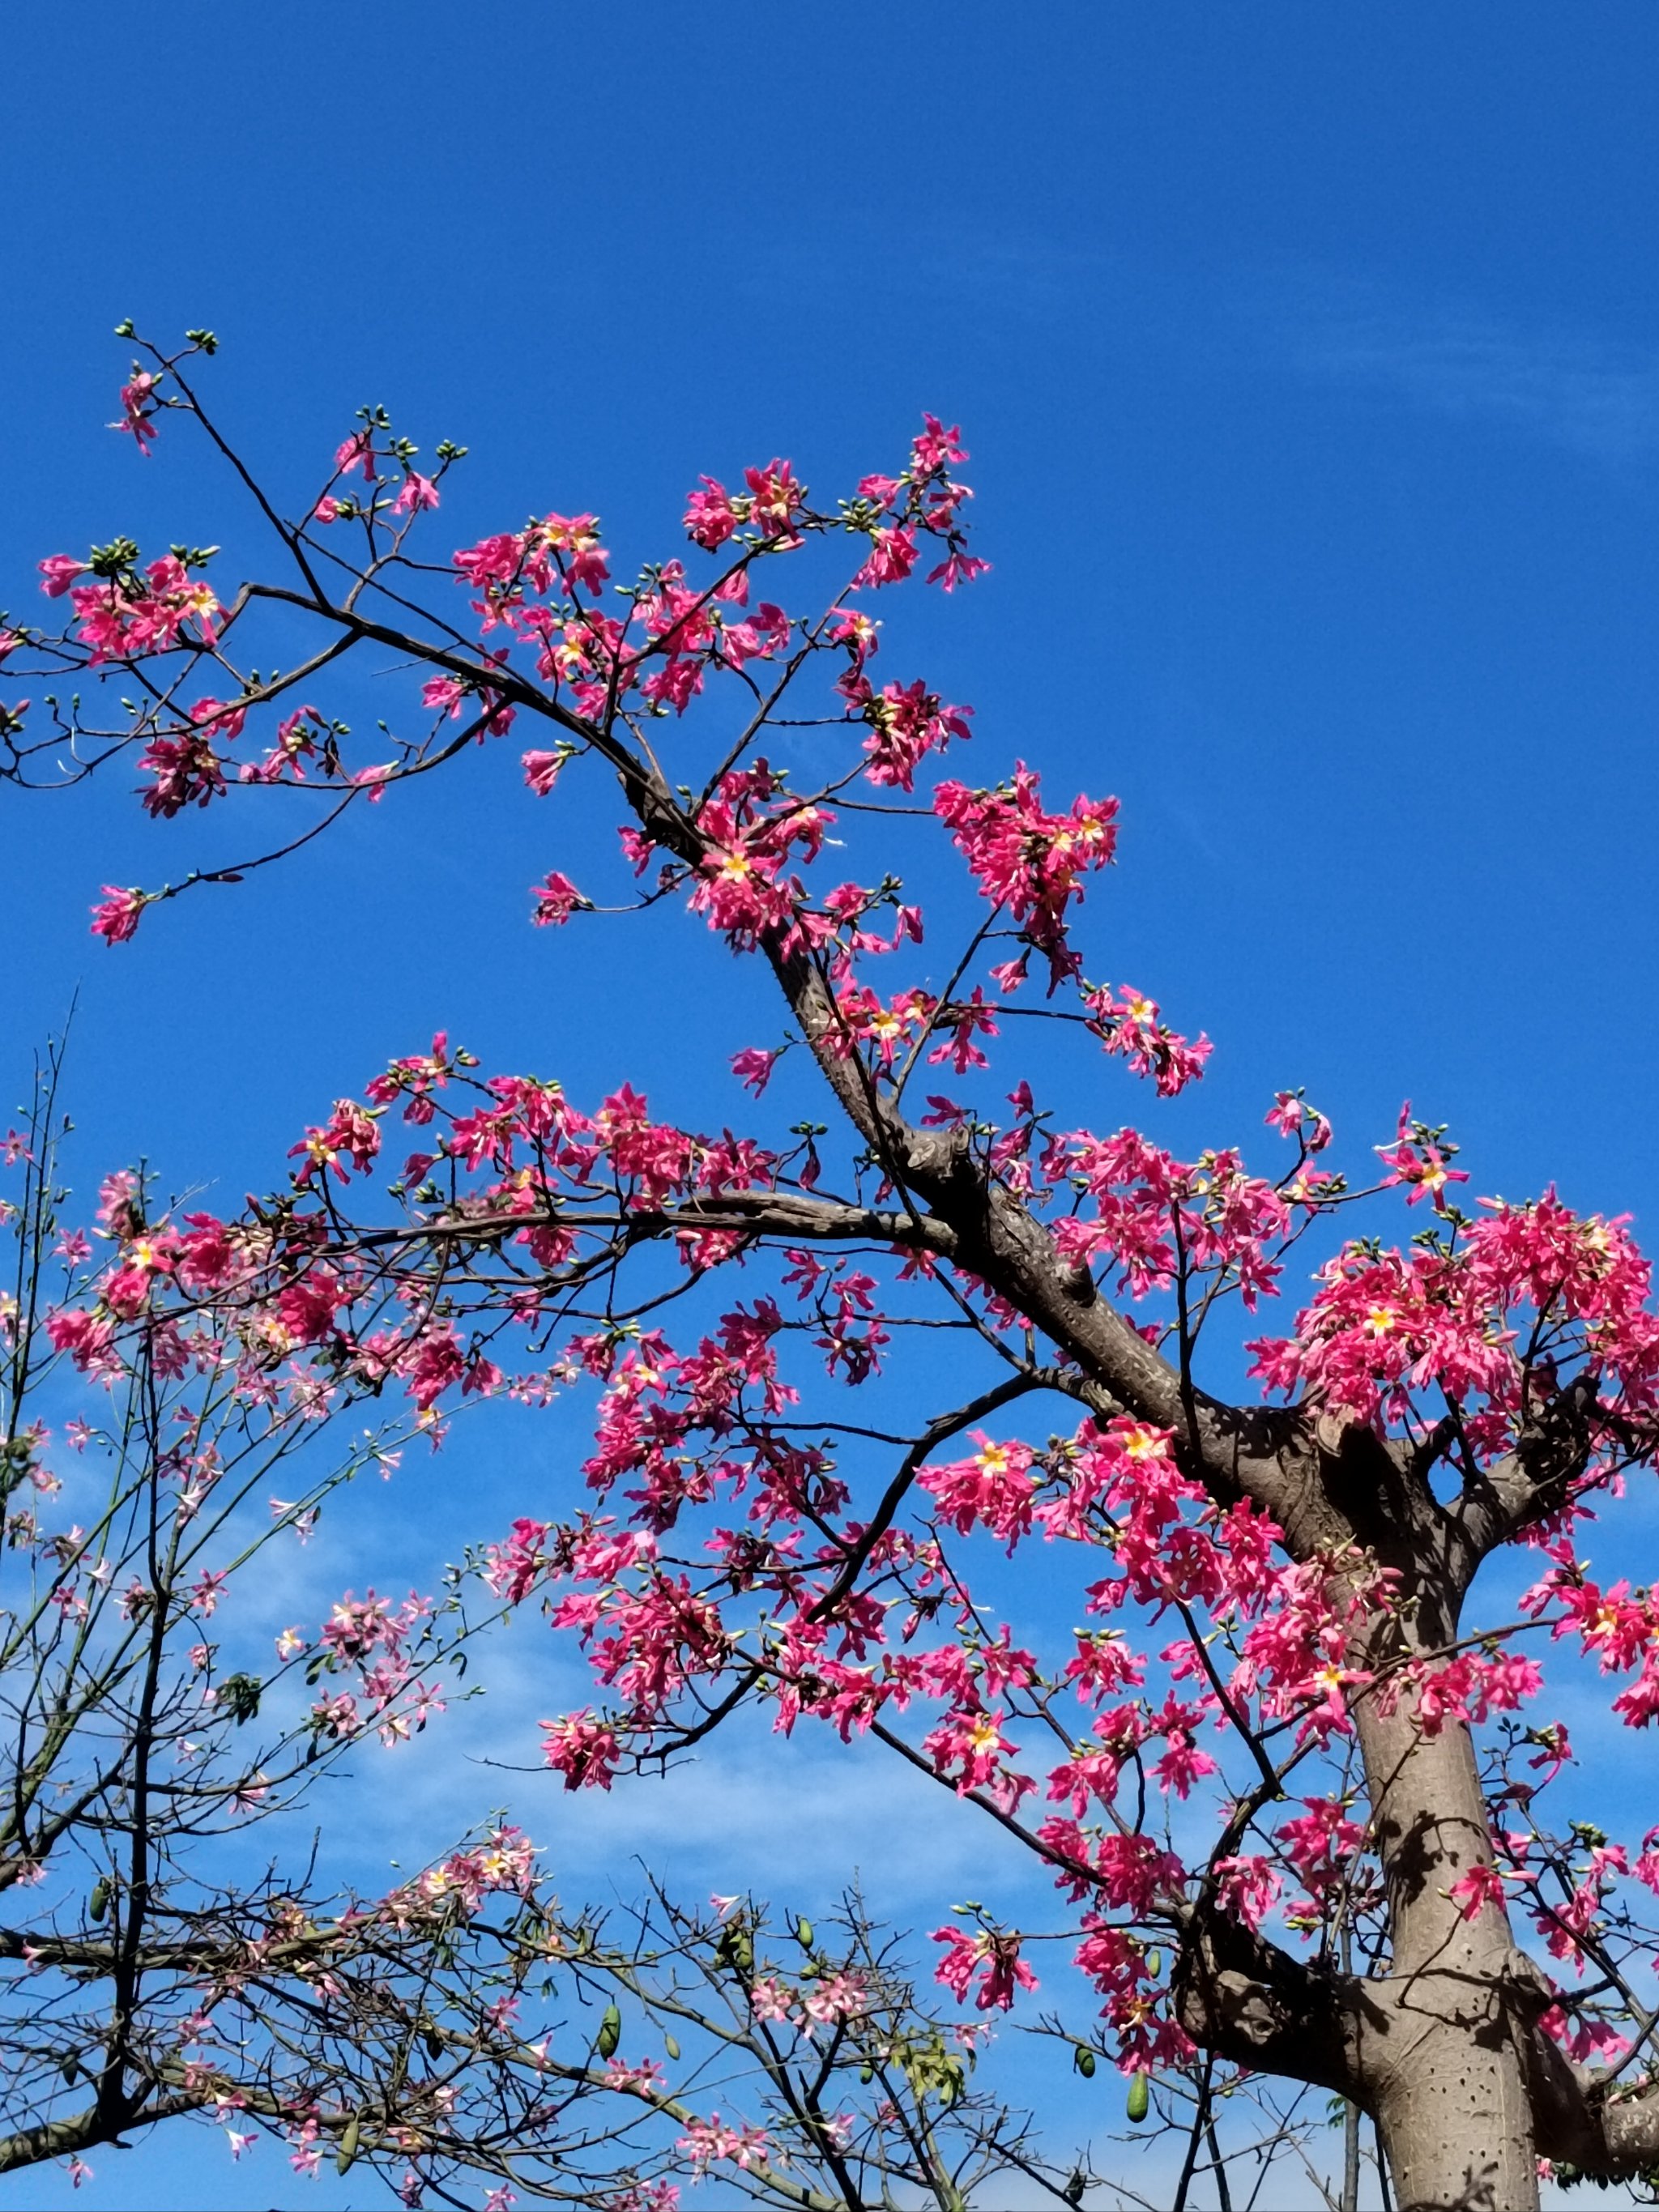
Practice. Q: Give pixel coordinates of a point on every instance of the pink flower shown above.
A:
(957, 568)
(994, 1959)
(775, 498)
(892, 556)
(137, 406)
(753, 1067)
(936, 448)
(60, 571)
(556, 900)
(769, 1999)
(1248, 1887)
(417, 492)
(358, 452)
(582, 1748)
(706, 2140)
(1482, 1886)
(710, 518)
(541, 771)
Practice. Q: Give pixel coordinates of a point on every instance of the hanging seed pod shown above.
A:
(610, 2034)
(671, 2046)
(1140, 2096)
(1155, 1964)
(98, 1902)
(1084, 2059)
(804, 1934)
(347, 2155)
(435, 2044)
(70, 2069)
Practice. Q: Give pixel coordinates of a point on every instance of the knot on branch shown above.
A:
(1230, 2006)
(941, 1158)
(1244, 1999)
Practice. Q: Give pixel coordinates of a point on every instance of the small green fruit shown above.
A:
(347, 2155)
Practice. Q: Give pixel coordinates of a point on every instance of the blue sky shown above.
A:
(1310, 362)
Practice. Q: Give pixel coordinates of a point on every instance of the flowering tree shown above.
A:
(167, 1952)
(1289, 1779)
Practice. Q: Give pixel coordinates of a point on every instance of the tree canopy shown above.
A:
(1296, 1777)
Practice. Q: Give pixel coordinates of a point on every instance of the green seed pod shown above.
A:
(98, 1904)
(1155, 1964)
(670, 2046)
(347, 2155)
(804, 1934)
(1084, 2059)
(70, 2069)
(1140, 2096)
(610, 2034)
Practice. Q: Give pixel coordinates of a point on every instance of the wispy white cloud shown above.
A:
(1574, 388)
(795, 1819)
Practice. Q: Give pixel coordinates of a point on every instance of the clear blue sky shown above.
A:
(1310, 361)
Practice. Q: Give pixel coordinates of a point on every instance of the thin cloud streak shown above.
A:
(1571, 388)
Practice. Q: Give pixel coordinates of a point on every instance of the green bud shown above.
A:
(610, 2034)
(98, 1902)
(804, 1934)
(1139, 2096)
(671, 2046)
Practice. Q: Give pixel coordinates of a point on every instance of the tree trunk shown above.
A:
(1445, 2054)
(1456, 2122)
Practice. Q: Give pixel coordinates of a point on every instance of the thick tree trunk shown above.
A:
(1455, 2120)
(1446, 2055)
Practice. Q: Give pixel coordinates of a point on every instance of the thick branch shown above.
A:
(1242, 1997)
(1608, 2132)
(79, 2132)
